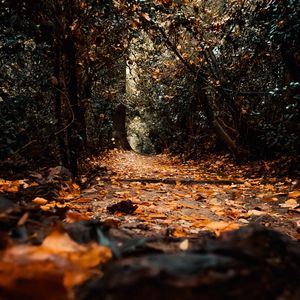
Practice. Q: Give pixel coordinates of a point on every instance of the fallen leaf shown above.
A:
(75, 186)
(220, 226)
(58, 263)
(291, 203)
(294, 194)
(187, 205)
(178, 232)
(255, 212)
(60, 249)
(157, 216)
(146, 16)
(9, 186)
(40, 201)
(184, 245)
(34, 280)
(122, 194)
(295, 209)
(72, 217)
(201, 223)
(83, 200)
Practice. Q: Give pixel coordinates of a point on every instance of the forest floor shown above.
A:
(209, 224)
(181, 199)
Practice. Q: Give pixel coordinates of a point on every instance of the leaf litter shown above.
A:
(62, 234)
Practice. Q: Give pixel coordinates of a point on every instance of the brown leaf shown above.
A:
(146, 16)
(35, 280)
(291, 203)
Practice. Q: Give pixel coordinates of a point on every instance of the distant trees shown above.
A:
(208, 75)
(232, 69)
(72, 55)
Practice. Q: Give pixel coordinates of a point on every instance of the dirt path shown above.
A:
(182, 199)
(179, 207)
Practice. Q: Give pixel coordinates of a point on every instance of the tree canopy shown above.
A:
(188, 77)
(149, 149)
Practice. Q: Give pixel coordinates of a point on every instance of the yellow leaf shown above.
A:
(40, 201)
(60, 256)
(61, 205)
(184, 245)
(138, 210)
(296, 209)
(46, 207)
(83, 200)
(75, 186)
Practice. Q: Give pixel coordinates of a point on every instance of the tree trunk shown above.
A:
(237, 151)
(61, 138)
(294, 73)
(77, 129)
(119, 129)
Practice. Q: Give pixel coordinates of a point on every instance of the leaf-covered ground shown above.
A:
(150, 227)
(181, 199)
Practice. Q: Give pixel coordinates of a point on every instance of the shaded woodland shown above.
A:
(149, 149)
(208, 76)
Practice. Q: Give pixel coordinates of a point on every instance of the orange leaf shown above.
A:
(220, 226)
(179, 232)
(72, 217)
(40, 201)
(60, 249)
(157, 216)
(294, 194)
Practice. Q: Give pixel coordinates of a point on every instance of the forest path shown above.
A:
(158, 220)
(149, 195)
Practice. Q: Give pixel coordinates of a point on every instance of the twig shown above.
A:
(25, 146)
(71, 110)
(175, 181)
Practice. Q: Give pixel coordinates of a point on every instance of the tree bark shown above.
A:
(119, 128)
(293, 70)
(213, 122)
(61, 138)
(77, 129)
